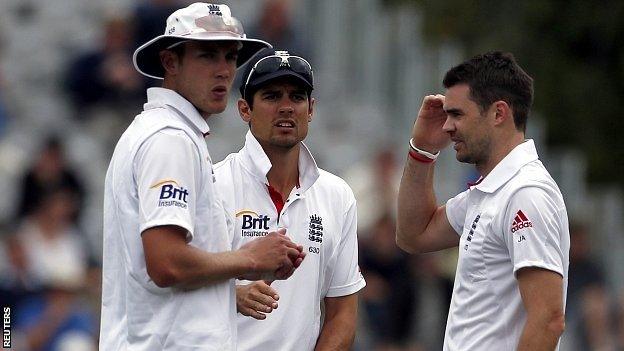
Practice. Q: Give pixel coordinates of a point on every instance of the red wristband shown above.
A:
(420, 158)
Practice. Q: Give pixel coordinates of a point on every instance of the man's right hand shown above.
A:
(427, 133)
(274, 257)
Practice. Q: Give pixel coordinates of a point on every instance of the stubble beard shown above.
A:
(284, 143)
(477, 154)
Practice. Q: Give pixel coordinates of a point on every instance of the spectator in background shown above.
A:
(51, 241)
(275, 26)
(16, 282)
(149, 16)
(50, 171)
(51, 256)
(105, 76)
(375, 184)
(104, 87)
(56, 318)
(588, 324)
(390, 297)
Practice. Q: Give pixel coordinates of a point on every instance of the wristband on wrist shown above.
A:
(421, 152)
(420, 158)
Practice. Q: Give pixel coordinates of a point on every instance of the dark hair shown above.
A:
(495, 76)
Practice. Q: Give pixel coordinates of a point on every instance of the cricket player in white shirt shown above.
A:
(168, 267)
(274, 182)
(511, 226)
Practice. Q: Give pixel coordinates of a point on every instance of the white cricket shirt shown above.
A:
(320, 215)
(514, 218)
(161, 174)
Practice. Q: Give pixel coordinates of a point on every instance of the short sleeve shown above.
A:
(533, 230)
(456, 211)
(347, 278)
(167, 171)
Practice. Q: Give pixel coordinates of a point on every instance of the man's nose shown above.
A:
(286, 108)
(224, 69)
(448, 125)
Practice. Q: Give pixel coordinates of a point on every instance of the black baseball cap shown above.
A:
(297, 68)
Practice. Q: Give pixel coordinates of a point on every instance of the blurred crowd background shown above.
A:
(68, 89)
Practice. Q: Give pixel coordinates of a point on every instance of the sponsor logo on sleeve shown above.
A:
(520, 221)
(171, 194)
(253, 224)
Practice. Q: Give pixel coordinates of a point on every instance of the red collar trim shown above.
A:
(277, 199)
(470, 184)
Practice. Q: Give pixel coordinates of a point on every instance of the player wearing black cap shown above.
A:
(274, 182)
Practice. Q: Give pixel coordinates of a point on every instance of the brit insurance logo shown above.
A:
(253, 225)
(316, 229)
(171, 194)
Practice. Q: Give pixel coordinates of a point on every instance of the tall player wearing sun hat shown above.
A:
(274, 182)
(167, 268)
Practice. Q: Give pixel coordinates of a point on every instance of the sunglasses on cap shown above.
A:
(281, 59)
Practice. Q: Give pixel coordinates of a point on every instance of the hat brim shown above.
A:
(146, 58)
(275, 75)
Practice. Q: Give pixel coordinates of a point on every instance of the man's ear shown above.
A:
(502, 112)
(244, 110)
(311, 109)
(170, 61)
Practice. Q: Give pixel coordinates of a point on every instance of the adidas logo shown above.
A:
(520, 222)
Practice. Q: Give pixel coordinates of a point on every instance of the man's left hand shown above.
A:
(256, 299)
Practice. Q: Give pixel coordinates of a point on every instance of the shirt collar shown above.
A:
(508, 167)
(161, 97)
(257, 162)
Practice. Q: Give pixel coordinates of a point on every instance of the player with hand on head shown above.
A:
(167, 266)
(273, 182)
(511, 226)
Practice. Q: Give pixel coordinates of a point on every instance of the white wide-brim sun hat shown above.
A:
(198, 21)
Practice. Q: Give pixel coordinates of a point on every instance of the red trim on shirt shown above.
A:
(277, 198)
(470, 184)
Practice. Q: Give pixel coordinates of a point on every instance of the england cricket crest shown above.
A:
(316, 229)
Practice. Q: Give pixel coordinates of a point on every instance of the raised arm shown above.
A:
(422, 226)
